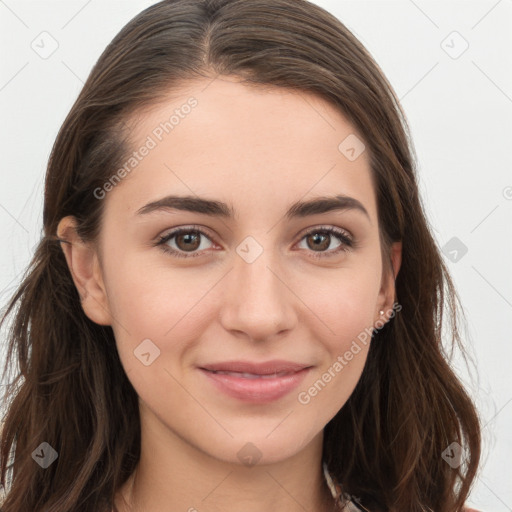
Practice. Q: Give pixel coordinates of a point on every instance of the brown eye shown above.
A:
(182, 241)
(188, 241)
(319, 240)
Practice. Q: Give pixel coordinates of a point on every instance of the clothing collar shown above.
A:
(338, 494)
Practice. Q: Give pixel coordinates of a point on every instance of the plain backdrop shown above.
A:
(450, 64)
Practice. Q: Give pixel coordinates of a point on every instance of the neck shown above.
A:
(173, 475)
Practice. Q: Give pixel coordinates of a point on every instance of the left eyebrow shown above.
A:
(325, 205)
(215, 208)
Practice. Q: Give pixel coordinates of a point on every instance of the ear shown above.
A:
(85, 269)
(386, 297)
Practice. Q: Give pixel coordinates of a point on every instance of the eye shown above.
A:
(188, 240)
(321, 238)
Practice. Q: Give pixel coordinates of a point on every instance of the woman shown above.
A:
(291, 358)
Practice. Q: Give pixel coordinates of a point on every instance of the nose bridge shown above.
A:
(258, 301)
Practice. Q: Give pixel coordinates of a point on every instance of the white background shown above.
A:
(459, 110)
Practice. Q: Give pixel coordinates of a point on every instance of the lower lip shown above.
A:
(256, 390)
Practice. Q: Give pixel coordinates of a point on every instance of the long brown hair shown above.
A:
(386, 443)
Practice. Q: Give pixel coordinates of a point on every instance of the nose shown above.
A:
(258, 301)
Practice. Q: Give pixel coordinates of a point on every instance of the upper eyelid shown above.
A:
(325, 226)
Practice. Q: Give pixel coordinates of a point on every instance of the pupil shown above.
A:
(318, 242)
(190, 238)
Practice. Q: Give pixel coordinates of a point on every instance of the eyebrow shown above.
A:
(219, 209)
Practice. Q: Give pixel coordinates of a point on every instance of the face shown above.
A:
(244, 280)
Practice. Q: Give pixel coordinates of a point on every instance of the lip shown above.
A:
(263, 368)
(263, 389)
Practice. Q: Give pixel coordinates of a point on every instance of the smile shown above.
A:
(255, 388)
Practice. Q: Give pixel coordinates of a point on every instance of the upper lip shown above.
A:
(264, 368)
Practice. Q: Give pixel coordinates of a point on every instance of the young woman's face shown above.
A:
(245, 281)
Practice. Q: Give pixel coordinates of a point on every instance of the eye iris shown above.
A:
(316, 237)
(188, 237)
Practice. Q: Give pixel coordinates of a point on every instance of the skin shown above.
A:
(259, 150)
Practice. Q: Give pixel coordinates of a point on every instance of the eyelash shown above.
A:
(347, 243)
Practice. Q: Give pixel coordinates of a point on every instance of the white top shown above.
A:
(337, 492)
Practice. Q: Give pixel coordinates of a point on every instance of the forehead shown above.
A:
(256, 147)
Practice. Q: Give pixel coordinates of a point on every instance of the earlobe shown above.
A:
(83, 264)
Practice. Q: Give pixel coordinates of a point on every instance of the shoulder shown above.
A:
(467, 509)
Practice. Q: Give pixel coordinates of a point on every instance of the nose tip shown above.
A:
(256, 301)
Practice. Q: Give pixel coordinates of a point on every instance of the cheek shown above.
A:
(343, 300)
(348, 320)
(152, 296)
(344, 308)
(168, 306)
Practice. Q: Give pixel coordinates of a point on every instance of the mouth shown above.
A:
(276, 366)
(246, 375)
(258, 386)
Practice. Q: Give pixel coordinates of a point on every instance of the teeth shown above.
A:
(246, 375)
